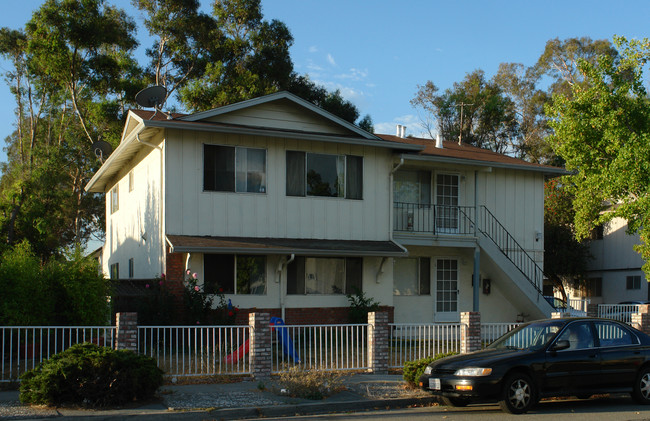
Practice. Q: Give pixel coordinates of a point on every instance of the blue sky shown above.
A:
(377, 52)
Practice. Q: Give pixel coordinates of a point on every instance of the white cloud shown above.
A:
(354, 74)
(313, 49)
(330, 60)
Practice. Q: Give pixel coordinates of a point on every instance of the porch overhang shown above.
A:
(281, 246)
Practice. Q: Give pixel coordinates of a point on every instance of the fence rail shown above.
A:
(24, 347)
(196, 350)
(415, 341)
(320, 347)
(620, 312)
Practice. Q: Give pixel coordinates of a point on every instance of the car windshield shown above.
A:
(532, 336)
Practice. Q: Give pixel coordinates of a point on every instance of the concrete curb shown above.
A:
(319, 408)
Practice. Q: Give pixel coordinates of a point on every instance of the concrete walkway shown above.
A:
(229, 401)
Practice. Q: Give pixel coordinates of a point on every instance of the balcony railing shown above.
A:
(435, 219)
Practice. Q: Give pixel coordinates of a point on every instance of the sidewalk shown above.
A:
(230, 401)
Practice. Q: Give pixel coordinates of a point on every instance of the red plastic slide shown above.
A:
(237, 355)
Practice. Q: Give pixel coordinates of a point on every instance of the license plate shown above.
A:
(434, 384)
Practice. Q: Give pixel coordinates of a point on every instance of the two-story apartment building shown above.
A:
(286, 208)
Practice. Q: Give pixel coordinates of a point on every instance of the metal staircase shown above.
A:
(488, 225)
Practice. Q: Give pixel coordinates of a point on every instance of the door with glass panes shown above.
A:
(446, 290)
(447, 192)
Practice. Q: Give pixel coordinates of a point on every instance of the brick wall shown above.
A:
(127, 331)
(308, 316)
(260, 345)
(378, 342)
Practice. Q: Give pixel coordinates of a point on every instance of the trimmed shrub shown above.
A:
(414, 369)
(91, 376)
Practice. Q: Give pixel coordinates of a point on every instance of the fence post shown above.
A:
(378, 349)
(592, 310)
(470, 332)
(641, 320)
(260, 345)
(126, 336)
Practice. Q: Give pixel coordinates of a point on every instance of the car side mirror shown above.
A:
(560, 345)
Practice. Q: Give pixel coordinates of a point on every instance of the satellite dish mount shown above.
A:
(102, 150)
(153, 96)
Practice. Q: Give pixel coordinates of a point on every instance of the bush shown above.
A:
(310, 384)
(93, 376)
(414, 369)
(65, 291)
(360, 306)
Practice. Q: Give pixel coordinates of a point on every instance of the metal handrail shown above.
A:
(490, 226)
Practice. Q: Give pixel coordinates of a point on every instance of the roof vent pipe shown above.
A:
(403, 132)
(439, 144)
(399, 131)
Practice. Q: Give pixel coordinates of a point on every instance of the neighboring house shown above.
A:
(614, 273)
(287, 208)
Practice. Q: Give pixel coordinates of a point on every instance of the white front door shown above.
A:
(446, 291)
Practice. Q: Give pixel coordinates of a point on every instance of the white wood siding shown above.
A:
(134, 230)
(516, 199)
(280, 115)
(191, 211)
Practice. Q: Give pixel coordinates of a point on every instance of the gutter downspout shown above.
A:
(160, 205)
(281, 267)
(477, 250)
(391, 205)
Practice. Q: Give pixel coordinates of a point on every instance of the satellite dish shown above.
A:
(102, 150)
(153, 96)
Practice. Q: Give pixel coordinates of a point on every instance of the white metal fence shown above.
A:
(320, 347)
(24, 347)
(196, 350)
(410, 342)
(490, 332)
(620, 312)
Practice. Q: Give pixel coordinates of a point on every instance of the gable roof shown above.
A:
(244, 118)
(465, 154)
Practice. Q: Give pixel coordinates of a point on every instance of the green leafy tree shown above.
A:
(475, 110)
(602, 131)
(71, 74)
(565, 258)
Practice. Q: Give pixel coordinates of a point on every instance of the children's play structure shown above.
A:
(282, 335)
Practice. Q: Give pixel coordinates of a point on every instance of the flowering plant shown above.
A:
(197, 304)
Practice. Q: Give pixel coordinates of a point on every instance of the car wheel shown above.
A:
(641, 392)
(458, 402)
(519, 394)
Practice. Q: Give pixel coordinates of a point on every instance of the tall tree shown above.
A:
(252, 59)
(475, 111)
(602, 130)
(71, 77)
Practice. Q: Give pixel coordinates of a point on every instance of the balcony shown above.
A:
(434, 219)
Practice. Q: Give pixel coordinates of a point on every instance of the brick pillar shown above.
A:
(592, 310)
(470, 332)
(127, 331)
(641, 320)
(378, 337)
(260, 345)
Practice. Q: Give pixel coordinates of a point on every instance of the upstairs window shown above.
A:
(633, 282)
(115, 198)
(234, 169)
(313, 174)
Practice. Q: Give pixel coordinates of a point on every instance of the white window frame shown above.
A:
(115, 199)
(238, 149)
